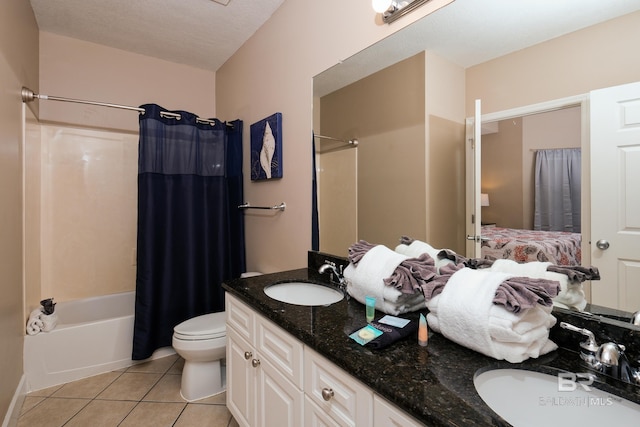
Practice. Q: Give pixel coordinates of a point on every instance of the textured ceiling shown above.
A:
(200, 33)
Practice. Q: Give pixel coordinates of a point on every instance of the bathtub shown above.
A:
(93, 336)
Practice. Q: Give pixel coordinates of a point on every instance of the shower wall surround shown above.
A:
(81, 195)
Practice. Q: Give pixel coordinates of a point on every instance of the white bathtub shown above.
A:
(93, 336)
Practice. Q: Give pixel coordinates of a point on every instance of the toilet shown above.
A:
(201, 341)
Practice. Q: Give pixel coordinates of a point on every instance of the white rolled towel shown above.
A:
(367, 279)
(571, 294)
(34, 323)
(465, 313)
(49, 321)
(417, 248)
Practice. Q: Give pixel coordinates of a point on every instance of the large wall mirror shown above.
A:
(405, 100)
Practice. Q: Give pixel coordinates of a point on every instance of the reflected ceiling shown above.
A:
(470, 32)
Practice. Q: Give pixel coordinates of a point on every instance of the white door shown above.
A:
(615, 196)
(473, 149)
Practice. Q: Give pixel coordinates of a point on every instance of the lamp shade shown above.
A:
(484, 199)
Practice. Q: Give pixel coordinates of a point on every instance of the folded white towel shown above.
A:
(49, 321)
(417, 248)
(464, 312)
(367, 279)
(34, 323)
(571, 293)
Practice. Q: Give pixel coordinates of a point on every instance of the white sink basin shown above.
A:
(303, 293)
(528, 398)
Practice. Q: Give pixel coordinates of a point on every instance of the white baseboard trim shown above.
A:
(13, 412)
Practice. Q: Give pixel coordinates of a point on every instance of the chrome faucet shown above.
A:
(336, 275)
(608, 358)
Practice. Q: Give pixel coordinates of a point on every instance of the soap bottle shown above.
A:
(423, 333)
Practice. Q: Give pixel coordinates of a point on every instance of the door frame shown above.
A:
(557, 104)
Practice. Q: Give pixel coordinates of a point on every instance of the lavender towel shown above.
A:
(575, 273)
(515, 293)
(408, 277)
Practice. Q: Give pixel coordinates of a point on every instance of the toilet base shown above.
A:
(202, 379)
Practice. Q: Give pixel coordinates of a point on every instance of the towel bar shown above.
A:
(279, 207)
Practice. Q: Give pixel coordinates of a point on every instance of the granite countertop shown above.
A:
(434, 384)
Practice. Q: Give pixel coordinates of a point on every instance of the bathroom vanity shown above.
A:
(296, 365)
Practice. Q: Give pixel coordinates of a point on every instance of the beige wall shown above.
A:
(77, 69)
(407, 163)
(592, 58)
(18, 64)
(501, 174)
(273, 71)
(388, 121)
(445, 154)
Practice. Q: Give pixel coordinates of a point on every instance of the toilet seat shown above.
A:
(205, 327)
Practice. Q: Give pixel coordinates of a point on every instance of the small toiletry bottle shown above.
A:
(423, 333)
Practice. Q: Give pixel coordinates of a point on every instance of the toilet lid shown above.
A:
(203, 327)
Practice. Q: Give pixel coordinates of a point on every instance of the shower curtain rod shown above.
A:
(353, 141)
(28, 96)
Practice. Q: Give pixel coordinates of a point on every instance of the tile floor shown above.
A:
(147, 394)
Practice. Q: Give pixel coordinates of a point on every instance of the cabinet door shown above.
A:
(240, 379)
(281, 349)
(280, 403)
(347, 400)
(316, 417)
(386, 415)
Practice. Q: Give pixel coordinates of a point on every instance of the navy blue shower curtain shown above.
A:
(190, 230)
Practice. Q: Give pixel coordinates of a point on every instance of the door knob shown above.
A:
(255, 363)
(247, 355)
(602, 244)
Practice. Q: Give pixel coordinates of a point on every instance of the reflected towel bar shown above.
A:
(353, 141)
(279, 207)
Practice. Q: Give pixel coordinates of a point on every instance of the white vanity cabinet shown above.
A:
(264, 370)
(274, 380)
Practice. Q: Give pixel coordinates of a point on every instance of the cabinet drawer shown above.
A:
(240, 317)
(387, 415)
(337, 393)
(281, 349)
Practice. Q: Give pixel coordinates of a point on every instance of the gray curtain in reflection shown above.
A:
(557, 190)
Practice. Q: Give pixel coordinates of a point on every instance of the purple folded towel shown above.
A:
(575, 273)
(358, 250)
(520, 293)
(515, 293)
(410, 274)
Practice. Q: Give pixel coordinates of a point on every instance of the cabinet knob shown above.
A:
(255, 363)
(327, 394)
(247, 355)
